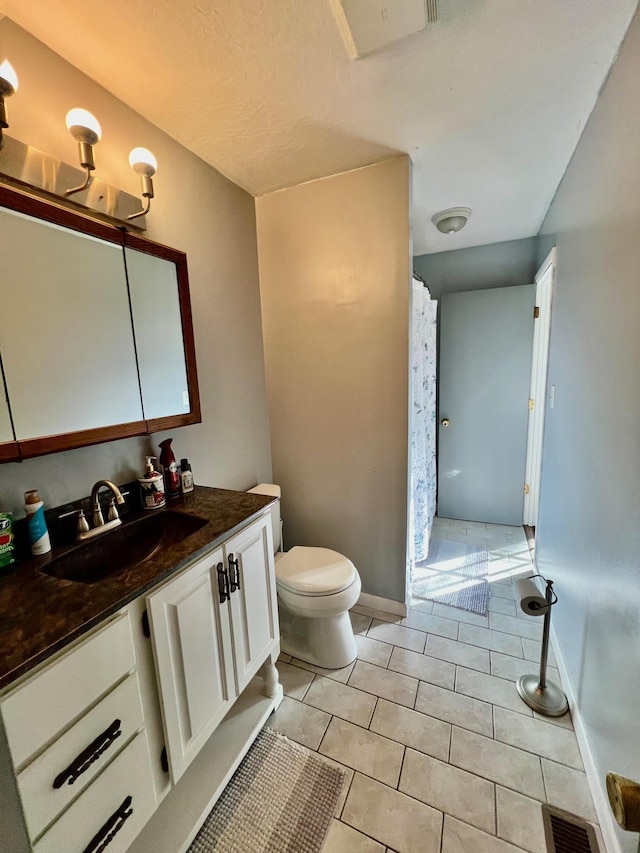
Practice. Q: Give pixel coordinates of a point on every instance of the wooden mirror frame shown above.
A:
(14, 451)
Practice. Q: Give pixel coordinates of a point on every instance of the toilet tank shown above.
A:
(273, 491)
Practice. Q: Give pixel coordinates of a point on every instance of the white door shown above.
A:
(485, 365)
(191, 638)
(538, 387)
(254, 612)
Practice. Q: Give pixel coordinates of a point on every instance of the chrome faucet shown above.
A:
(100, 526)
(98, 520)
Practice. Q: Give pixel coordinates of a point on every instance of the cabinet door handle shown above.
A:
(234, 573)
(86, 758)
(108, 831)
(223, 584)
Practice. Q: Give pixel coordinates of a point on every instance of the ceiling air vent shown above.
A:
(370, 25)
(567, 833)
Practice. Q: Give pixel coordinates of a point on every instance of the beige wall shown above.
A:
(195, 210)
(334, 279)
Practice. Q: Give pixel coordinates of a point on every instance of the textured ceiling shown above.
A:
(489, 102)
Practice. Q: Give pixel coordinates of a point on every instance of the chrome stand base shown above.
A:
(549, 701)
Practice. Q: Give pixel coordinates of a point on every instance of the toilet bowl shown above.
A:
(316, 589)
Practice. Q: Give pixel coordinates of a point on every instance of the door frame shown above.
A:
(544, 281)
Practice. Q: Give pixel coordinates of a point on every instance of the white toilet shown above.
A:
(316, 589)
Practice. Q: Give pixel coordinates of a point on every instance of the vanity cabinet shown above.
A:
(212, 628)
(253, 603)
(191, 636)
(82, 739)
(78, 747)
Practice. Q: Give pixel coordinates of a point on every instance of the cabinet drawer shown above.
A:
(84, 750)
(49, 702)
(95, 812)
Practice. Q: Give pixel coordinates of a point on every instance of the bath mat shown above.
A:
(281, 799)
(454, 573)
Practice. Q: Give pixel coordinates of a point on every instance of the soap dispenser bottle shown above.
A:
(151, 486)
(170, 468)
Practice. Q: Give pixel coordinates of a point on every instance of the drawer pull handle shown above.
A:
(86, 758)
(108, 831)
(234, 573)
(223, 584)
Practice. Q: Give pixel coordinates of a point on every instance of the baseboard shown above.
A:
(388, 605)
(600, 800)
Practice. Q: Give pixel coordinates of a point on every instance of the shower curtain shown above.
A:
(423, 419)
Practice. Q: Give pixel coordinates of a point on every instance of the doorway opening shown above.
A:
(468, 522)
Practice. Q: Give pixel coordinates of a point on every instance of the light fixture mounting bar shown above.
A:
(27, 167)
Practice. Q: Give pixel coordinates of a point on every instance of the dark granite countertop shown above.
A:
(40, 614)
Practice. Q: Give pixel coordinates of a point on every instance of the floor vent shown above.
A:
(567, 833)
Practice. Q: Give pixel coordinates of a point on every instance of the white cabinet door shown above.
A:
(254, 613)
(192, 646)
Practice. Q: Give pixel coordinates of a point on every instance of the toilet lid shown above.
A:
(314, 571)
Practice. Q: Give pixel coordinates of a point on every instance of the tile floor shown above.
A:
(441, 755)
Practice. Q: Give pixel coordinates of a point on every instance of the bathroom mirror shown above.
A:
(8, 445)
(158, 288)
(78, 370)
(67, 346)
(6, 433)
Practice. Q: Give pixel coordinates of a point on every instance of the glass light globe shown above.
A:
(143, 162)
(84, 126)
(8, 78)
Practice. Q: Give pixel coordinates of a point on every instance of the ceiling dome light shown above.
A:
(452, 220)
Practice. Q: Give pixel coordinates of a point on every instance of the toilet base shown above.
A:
(327, 642)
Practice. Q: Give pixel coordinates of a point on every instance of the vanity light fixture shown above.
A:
(144, 164)
(452, 220)
(85, 129)
(8, 87)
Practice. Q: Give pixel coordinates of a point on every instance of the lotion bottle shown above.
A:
(38, 533)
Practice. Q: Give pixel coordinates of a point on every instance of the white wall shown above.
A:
(334, 278)
(195, 210)
(589, 527)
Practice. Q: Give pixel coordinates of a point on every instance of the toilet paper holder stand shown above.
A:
(542, 695)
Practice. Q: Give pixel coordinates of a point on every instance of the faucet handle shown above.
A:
(83, 524)
(113, 510)
(98, 518)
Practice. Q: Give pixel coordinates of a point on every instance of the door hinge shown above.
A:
(536, 312)
(526, 488)
(532, 404)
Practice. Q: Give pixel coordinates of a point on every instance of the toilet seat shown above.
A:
(309, 571)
